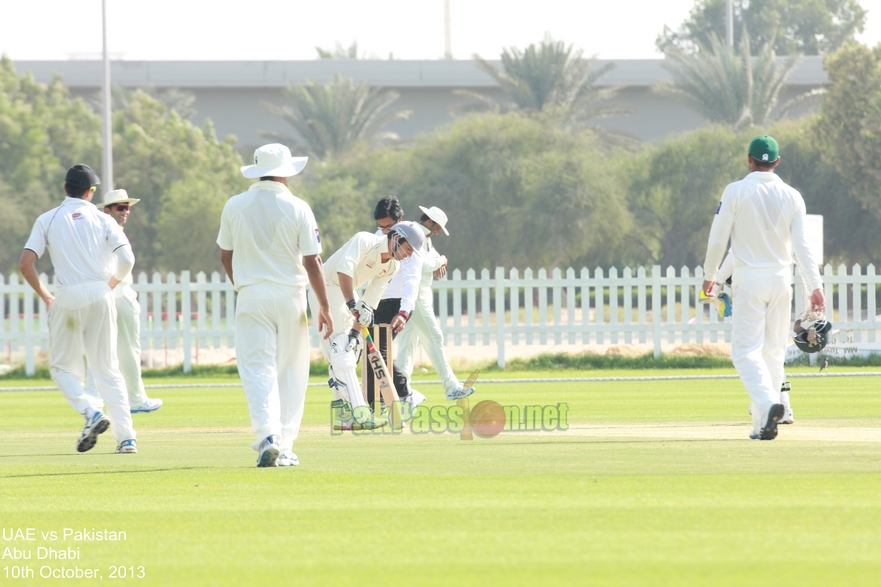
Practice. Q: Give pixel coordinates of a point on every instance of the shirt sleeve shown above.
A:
(353, 252)
(431, 259)
(37, 240)
(808, 266)
(720, 232)
(224, 237)
(411, 274)
(376, 287)
(310, 240)
(115, 236)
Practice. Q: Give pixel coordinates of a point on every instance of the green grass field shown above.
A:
(654, 483)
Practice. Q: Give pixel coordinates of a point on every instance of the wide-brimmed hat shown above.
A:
(437, 215)
(274, 160)
(118, 197)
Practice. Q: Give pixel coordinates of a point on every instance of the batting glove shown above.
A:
(354, 344)
(364, 314)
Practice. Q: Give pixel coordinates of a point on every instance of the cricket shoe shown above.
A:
(415, 400)
(127, 447)
(787, 418)
(769, 430)
(97, 424)
(151, 405)
(288, 459)
(460, 393)
(269, 452)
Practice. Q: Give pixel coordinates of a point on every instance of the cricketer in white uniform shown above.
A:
(128, 320)
(270, 249)
(399, 297)
(765, 220)
(724, 276)
(81, 240)
(366, 259)
(423, 326)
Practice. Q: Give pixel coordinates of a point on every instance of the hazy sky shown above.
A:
(290, 29)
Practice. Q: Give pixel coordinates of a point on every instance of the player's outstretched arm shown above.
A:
(27, 265)
(315, 270)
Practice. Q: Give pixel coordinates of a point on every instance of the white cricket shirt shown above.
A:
(361, 259)
(80, 239)
(765, 220)
(269, 231)
(404, 284)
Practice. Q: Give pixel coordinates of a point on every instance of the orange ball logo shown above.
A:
(487, 419)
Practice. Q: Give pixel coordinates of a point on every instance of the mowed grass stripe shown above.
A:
(604, 508)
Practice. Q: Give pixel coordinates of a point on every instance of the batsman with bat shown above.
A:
(371, 260)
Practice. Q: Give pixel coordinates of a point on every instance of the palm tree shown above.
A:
(728, 85)
(550, 77)
(330, 120)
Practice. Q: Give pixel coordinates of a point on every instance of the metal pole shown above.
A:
(107, 158)
(448, 44)
(729, 24)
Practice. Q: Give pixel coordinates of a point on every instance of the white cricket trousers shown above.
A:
(762, 300)
(423, 327)
(82, 321)
(128, 349)
(272, 354)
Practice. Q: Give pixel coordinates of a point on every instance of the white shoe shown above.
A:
(127, 447)
(287, 459)
(97, 424)
(269, 452)
(415, 399)
(460, 393)
(151, 405)
(787, 418)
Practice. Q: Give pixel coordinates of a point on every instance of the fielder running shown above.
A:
(128, 320)
(371, 260)
(269, 247)
(81, 240)
(765, 220)
(422, 325)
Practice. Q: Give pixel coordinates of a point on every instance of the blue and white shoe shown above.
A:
(460, 393)
(269, 452)
(127, 447)
(288, 459)
(151, 405)
(97, 424)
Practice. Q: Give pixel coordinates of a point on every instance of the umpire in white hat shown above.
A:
(118, 204)
(270, 248)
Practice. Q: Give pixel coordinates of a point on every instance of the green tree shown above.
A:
(850, 121)
(183, 176)
(43, 131)
(791, 27)
(849, 234)
(518, 191)
(332, 120)
(728, 85)
(551, 77)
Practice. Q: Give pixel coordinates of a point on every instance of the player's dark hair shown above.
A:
(69, 191)
(424, 218)
(388, 207)
(762, 165)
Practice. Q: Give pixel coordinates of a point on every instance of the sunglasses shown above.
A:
(121, 207)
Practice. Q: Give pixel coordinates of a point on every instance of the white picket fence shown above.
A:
(587, 308)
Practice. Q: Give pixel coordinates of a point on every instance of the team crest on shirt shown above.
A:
(76, 215)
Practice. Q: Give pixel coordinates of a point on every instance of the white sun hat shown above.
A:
(438, 216)
(118, 197)
(274, 160)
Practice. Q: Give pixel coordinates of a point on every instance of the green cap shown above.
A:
(764, 149)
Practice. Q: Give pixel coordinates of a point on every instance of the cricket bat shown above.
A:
(380, 370)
